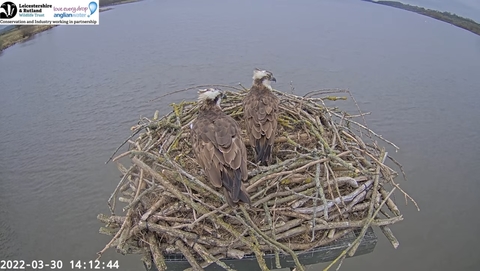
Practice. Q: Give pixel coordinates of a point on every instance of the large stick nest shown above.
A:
(328, 179)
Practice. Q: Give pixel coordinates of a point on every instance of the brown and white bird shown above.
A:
(219, 148)
(260, 109)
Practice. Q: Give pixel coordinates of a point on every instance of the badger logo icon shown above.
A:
(8, 10)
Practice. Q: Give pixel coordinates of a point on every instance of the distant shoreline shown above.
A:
(453, 19)
(23, 33)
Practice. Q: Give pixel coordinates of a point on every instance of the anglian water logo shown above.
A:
(8, 10)
(93, 7)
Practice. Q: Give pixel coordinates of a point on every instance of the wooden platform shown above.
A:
(319, 255)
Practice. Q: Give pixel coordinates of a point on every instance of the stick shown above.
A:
(390, 204)
(100, 253)
(389, 234)
(156, 253)
(349, 197)
(188, 255)
(360, 236)
(114, 194)
(199, 208)
(209, 258)
(282, 246)
(250, 188)
(154, 208)
(270, 223)
(124, 142)
(383, 155)
(194, 87)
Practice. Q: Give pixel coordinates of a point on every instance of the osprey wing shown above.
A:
(261, 113)
(268, 114)
(221, 153)
(203, 146)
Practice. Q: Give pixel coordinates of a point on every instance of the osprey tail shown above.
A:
(233, 188)
(263, 151)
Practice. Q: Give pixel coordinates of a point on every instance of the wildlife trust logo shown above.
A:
(55, 12)
(8, 10)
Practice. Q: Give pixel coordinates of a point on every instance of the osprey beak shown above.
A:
(273, 79)
(224, 95)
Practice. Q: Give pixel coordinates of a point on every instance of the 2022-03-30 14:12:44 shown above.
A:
(58, 265)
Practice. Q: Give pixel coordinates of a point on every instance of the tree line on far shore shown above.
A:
(448, 17)
(104, 3)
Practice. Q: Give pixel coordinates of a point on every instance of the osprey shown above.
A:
(260, 109)
(218, 147)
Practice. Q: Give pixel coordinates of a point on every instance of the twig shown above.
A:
(156, 253)
(188, 255)
(209, 258)
(100, 253)
(191, 88)
(114, 194)
(349, 197)
(383, 155)
(298, 265)
(137, 199)
(318, 191)
(125, 142)
(389, 234)
(272, 228)
(360, 236)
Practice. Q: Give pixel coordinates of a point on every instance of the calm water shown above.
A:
(70, 95)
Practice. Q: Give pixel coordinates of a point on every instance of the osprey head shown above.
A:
(210, 94)
(263, 76)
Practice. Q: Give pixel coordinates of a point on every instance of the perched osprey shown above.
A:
(260, 109)
(219, 148)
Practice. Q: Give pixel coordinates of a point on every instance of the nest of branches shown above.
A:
(328, 179)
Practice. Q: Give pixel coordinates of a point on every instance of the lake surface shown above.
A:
(70, 95)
